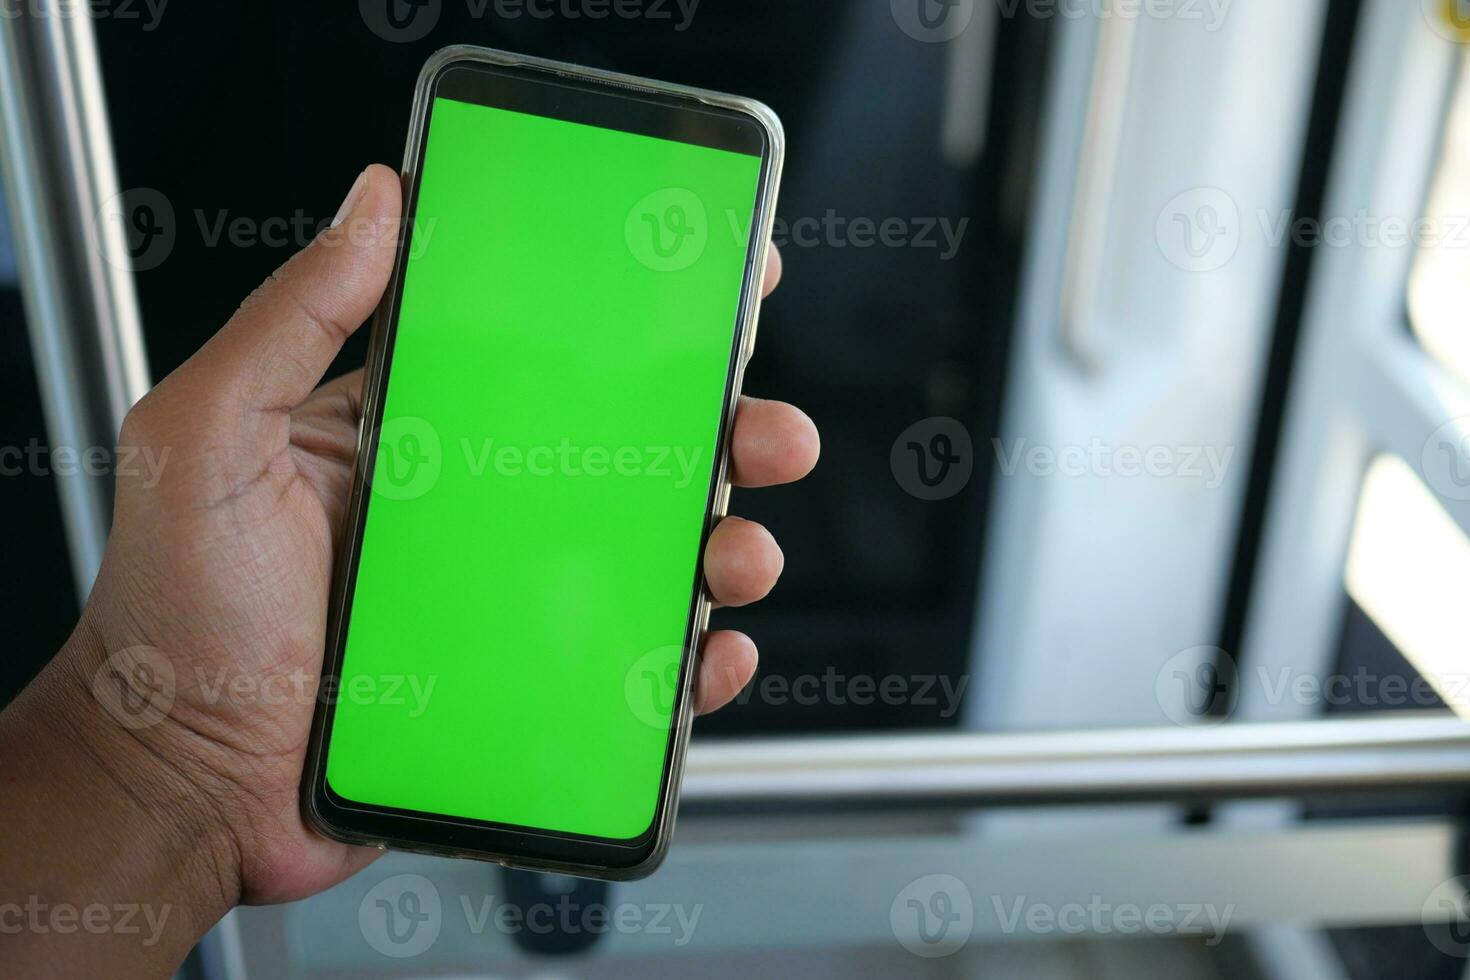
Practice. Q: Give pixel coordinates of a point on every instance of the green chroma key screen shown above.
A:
(548, 443)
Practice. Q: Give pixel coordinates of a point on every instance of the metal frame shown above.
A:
(1102, 144)
(1364, 385)
(1091, 582)
(1314, 874)
(1417, 752)
(1360, 386)
(868, 851)
(75, 271)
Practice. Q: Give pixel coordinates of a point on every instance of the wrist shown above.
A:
(115, 821)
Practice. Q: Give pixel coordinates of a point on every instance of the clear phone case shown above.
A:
(314, 774)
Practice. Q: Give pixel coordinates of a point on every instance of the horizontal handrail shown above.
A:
(1408, 751)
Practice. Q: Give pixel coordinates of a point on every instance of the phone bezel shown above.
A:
(530, 848)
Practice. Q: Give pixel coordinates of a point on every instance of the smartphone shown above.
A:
(548, 404)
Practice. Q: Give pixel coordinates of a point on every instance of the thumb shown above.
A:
(281, 341)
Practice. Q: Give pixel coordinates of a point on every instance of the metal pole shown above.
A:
(1413, 751)
(75, 269)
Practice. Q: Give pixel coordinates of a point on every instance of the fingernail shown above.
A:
(353, 196)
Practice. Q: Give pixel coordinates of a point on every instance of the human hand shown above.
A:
(223, 567)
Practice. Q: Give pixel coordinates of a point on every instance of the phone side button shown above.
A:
(722, 500)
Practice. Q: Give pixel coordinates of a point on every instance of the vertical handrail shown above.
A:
(75, 269)
(1097, 168)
